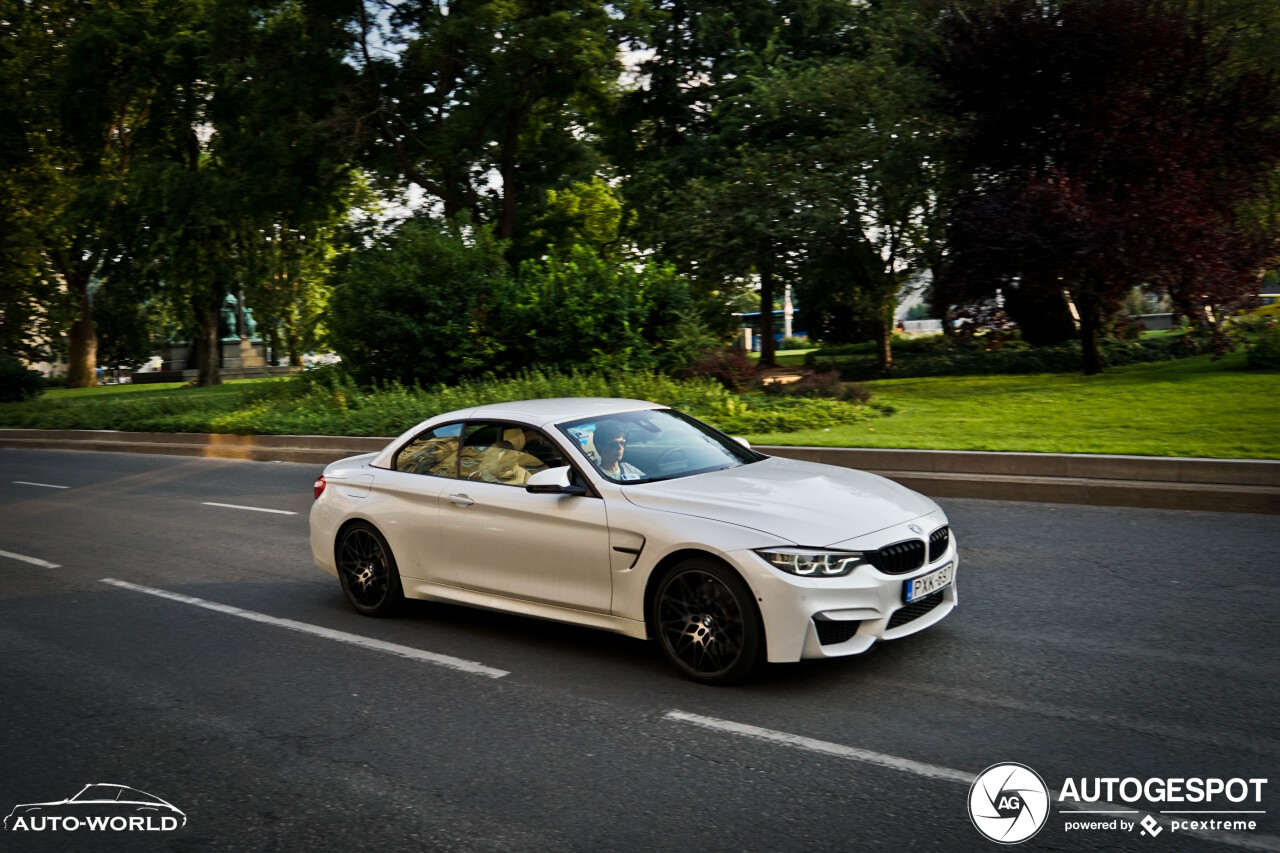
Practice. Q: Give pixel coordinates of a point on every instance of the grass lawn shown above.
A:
(1191, 407)
(786, 357)
(161, 406)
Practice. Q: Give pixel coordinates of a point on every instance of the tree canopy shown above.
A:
(1046, 157)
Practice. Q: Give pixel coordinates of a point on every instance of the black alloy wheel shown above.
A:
(368, 571)
(707, 622)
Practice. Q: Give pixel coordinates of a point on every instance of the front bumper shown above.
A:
(793, 607)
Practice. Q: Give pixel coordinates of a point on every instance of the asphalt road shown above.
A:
(1089, 642)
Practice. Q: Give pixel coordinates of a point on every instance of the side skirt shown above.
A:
(425, 591)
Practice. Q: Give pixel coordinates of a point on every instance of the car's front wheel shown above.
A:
(368, 570)
(707, 622)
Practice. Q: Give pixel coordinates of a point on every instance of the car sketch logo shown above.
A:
(99, 806)
(1008, 803)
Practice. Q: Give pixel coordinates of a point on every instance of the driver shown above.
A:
(611, 443)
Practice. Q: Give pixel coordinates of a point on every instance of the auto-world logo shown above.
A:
(1008, 803)
(99, 807)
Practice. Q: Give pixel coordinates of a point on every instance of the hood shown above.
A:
(807, 503)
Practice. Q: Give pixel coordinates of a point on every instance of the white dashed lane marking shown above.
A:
(35, 561)
(1245, 841)
(252, 508)
(41, 485)
(317, 631)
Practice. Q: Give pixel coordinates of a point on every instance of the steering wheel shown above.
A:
(671, 456)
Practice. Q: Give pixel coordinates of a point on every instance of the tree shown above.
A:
(789, 143)
(69, 95)
(870, 149)
(244, 173)
(484, 105)
(1113, 143)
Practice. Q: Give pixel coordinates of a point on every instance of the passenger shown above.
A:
(611, 443)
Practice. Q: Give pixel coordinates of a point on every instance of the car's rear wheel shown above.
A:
(707, 622)
(368, 570)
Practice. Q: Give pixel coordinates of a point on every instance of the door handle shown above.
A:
(460, 500)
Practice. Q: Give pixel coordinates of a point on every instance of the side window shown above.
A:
(506, 453)
(434, 452)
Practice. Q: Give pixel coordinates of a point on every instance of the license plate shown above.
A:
(918, 588)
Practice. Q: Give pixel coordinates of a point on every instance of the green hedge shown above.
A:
(938, 356)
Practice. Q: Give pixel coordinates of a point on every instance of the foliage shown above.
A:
(587, 213)
(17, 382)
(328, 402)
(125, 322)
(940, 356)
(732, 369)
(467, 90)
(826, 384)
(1101, 134)
(426, 304)
(1263, 352)
(436, 303)
(579, 309)
(147, 146)
(794, 144)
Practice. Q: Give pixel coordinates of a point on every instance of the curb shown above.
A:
(1217, 485)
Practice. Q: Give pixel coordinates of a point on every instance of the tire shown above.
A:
(368, 570)
(707, 622)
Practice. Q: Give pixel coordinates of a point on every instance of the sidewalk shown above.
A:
(1216, 485)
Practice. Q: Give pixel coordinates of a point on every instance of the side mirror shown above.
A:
(741, 441)
(553, 481)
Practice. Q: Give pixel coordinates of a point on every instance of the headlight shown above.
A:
(807, 562)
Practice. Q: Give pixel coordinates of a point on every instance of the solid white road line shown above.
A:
(254, 508)
(315, 630)
(1268, 843)
(35, 561)
(41, 485)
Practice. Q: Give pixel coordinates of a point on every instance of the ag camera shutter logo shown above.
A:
(1008, 803)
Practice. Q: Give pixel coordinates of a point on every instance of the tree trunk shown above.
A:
(768, 346)
(1092, 356)
(884, 340)
(507, 168)
(208, 347)
(884, 325)
(82, 366)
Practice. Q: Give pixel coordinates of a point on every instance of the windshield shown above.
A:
(657, 444)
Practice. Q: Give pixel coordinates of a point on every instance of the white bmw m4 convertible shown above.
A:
(635, 518)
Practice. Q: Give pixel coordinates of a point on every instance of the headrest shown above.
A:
(515, 437)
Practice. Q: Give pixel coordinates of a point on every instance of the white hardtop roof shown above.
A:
(542, 412)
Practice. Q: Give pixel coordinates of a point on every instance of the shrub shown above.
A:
(427, 305)
(1263, 352)
(826, 384)
(436, 303)
(795, 343)
(940, 357)
(18, 382)
(580, 309)
(733, 370)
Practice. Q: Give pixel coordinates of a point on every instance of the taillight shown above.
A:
(319, 486)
